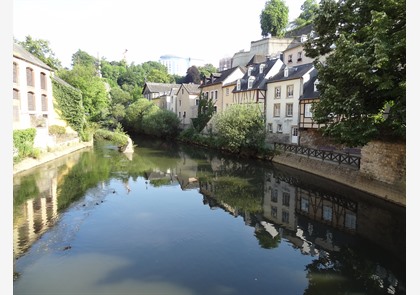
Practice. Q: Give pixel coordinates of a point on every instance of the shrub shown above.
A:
(23, 141)
(56, 130)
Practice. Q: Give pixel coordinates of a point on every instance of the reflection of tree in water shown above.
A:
(345, 273)
(266, 240)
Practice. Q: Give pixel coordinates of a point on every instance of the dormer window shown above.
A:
(316, 85)
(303, 38)
(249, 71)
(262, 68)
(238, 84)
(286, 72)
(251, 81)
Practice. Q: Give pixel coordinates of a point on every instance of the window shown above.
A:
(289, 90)
(44, 103)
(289, 59)
(184, 115)
(289, 109)
(43, 81)
(285, 216)
(211, 94)
(273, 211)
(31, 101)
(304, 204)
(276, 110)
(251, 81)
(30, 77)
(286, 199)
(179, 102)
(249, 71)
(182, 91)
(274, 195)
(215, 94)
(308, 113)
(197, 102)
(227, 91)
(316, 85)
(350, 220)
(286, 72)
(299, 56)
(270, 127)
(215, 109)
(262, 68)
(16, 94)
(207, 94)
(279, 128)
(15, 73)
(277, 92)
(238, 84)
(327, 213)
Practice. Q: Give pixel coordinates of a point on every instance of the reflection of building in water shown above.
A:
(279, 202)
(186, 172)
(37, 214)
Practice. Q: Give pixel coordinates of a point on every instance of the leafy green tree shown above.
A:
(161, 123)
(95, 97)
(362, 82)
(206, 70)
(193, 75)
(241, 128)
(83, 58)
(41, 49)
(204, 114)
(274, 18)
(159, 76)
(309, 10)
(136, 112)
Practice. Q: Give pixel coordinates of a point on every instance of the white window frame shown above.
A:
(270, 127)
(289, 109)
(238, 84)
(277, 92)
(251, 80)
(279, 128)
(327, 213)
(290, 90)
(308, 107)
(276, 110)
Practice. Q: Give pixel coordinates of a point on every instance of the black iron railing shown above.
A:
(341, 158)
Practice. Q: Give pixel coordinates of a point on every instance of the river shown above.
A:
(176, 219)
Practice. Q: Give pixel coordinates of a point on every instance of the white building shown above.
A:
(179, 65)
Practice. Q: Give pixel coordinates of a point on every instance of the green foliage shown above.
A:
(159, 76)
(56, 130)
(41, 49)
(241, 128)
(68, 104)
(206, 70)
(136, 112)
(23, 141)
(309, 9)
(365, 69)
(274, 18)
(117, 137)
(193, 75)
(161, 123)
(83, 58)
(95, 97)
(204, 114)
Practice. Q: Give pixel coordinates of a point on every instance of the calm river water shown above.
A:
(173, 219)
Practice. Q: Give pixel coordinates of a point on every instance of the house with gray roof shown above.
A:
(187, 103)
(284, 91)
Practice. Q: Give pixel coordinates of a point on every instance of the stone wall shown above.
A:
(384, 161)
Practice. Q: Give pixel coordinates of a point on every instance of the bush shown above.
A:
(56, 130)
(23, 141)
(118, 138)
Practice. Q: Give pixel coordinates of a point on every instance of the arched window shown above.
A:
(15, 73)
(30, 77)
(31, 101)
(43, 77)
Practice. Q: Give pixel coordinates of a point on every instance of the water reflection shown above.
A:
(356, 242)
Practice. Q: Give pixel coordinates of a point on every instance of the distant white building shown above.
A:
(177, 65)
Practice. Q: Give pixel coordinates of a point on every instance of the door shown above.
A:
(295, 135)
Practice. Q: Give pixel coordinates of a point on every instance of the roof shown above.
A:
(219, 77)
(21, 53)
(260, 79)
(191, 88)
(308, 87)
(159, 87)
(294, 73)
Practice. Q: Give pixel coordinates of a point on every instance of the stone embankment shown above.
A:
(45, 157)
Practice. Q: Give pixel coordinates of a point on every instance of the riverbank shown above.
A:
(45, 157)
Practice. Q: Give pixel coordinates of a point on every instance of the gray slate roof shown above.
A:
(219, 77)
(21, 53)
(159, 87)
(192, 88)
(294, 73)
(308, 87)
(260, 79)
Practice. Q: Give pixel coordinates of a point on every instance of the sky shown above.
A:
(148, 30)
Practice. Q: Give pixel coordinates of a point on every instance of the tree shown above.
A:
(206, 70)
(193, 75)
(362, 82)
(83, 58)
(241, 127)
(309, 10)
(274, 18)
(41, 49)
(95, 97)
(204, 113)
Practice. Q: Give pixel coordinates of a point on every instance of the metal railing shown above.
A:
(341, 158)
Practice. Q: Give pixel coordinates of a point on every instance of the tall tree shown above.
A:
(41, 49)
(309, 10)
(206, 70)
(81, 57)
(362, 82)
(274, 18)
(193, 75)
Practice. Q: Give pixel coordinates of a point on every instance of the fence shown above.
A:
(341, 158)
